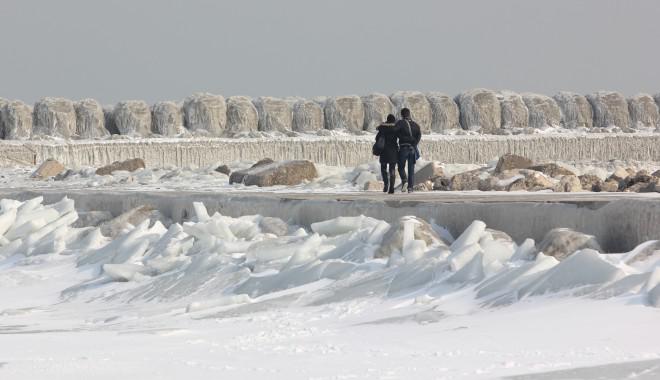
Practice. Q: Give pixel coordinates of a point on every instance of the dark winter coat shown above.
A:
(408, 136)
(391, 152)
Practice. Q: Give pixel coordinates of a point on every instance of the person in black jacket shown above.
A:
(390, 154)
(409, 134)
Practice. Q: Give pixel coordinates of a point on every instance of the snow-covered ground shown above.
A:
(355, 297)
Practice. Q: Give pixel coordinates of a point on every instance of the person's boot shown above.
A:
(385, 185)
(391, 188)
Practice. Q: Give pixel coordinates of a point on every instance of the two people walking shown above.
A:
(399, 140)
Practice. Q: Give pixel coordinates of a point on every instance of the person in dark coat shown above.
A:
(409, 134)
(390, 154)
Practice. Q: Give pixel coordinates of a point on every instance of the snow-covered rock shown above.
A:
(17, 120)
(205, 114)
(543, 110)
(445, 115)
(401, 237)
(275, 114)
(376, 108)
(307, 116)
(561, 243)
(133, 118)
(166, 119)
(344, 113)
(417, 103)
(90, 120)
(480, 110)
(54, 117)
(643, 111)
(610, 109)
(514, 110)
(242, 115)
(575, 109)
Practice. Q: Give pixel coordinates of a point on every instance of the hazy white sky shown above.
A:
(160, 50)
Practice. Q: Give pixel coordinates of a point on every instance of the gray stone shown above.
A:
(242, 115)
(445, 115)
(205, 114)
(569, 184)
(552, 169)
(543, 111)
(284, 173)
(49, 168)
(17, 120)
(344, 113)
(224, 169)
(466, 181)
(419, 106)
(429, 172)
(514, 110)
(480, 110)
(54, 117)
(167, 119)
(374, 185)
(128, 165)
(643, 111)
(376, 108)
(590, 182)
(512, 161)
(610, 109)
(133, 118)
(575, 109)
(307, 116)
(560, 243)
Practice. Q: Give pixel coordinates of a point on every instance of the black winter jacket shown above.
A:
(408, 136)
(391, 152)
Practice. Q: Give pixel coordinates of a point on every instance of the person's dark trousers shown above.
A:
(407, 154)
(388, 176)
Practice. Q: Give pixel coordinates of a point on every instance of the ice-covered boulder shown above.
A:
(205, 113)
(563, 242)
(3, 103)
(610, 109)
(128, 165)
(307, 116)
(643, 111)
(444, 112)
(401, 235)
(109, 117)
(241, 115)
(166, 119)
(287, 173)
(17, 120)
(376, 108)
(575, 109)
(274, 114)
(49, 168)
(90, 120)
(420, 109)
(344, 113)
(54, 117)
(514, 110)
(480, 110)
(133, 118)
(543, 110)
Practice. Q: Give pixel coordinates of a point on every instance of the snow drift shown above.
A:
(216, 257)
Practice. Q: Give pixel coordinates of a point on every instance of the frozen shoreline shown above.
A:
(335, 150)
